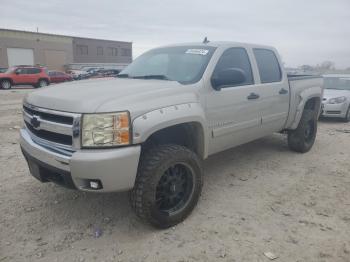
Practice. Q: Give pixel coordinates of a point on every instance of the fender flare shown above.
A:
(304, 97)
(147, 124)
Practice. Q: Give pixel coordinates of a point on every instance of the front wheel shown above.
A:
(303, 138)
(6, 84)
(168, 185)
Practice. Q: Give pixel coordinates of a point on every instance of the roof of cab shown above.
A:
(222, 44)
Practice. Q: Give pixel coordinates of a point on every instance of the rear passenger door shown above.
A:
(33, 75)
(233, 112)
(273, 91)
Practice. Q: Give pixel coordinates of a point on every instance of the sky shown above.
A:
(304, 31)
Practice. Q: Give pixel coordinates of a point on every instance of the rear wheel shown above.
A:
(302, 139)
(347, 117)
(6, 84)
(42, 83)
(168, 185)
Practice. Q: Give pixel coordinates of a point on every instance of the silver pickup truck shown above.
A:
(149, 130)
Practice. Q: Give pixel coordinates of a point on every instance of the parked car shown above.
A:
(109, 72)
(3, 69)
(78, 74)
(93, 72)
(150, 129)
(58, 77)
(24, 75)
(104, 73)
(336, 99)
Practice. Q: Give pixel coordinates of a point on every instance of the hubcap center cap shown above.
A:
(173, 188)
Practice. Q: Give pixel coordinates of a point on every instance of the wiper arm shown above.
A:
(161, 77)
(123, 75)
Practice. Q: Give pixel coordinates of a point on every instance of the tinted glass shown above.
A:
(99, 50)
(33, 70)
(21, 71)
(236, 58)
(269, 68)
(185, 64)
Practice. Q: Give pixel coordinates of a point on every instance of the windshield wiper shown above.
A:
(123, 75)
(161, 77)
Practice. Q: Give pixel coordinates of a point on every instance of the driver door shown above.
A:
(21, 76)
(233, 111)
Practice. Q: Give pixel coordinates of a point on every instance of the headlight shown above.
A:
(105, 130)
(337, 100)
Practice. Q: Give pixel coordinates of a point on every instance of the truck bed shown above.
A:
(301, 87)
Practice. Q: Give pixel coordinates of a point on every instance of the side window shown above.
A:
(99, 50)
(20, 71)
(237, 58)
(269, 68)
(112, 51)
(82, 49)
(126, 52)
(33, 70)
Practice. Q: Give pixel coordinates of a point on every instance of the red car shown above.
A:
(58, 77)
(24, 75)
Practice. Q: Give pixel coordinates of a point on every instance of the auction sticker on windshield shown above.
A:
(197, 51)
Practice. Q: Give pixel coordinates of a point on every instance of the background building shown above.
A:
(60, 52)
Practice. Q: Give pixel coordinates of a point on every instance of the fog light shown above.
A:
(95, 184)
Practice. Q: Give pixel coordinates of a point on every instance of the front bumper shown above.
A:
(334, 110)
(115, 168)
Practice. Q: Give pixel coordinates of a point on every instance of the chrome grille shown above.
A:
(55, 130)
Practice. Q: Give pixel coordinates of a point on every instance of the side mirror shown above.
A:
(17, 72)
(228, 77)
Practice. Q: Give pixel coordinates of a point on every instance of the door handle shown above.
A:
(283, 91)
(253, 96)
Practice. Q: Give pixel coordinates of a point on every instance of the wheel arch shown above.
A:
(312, 102)
(45, 79)
(7, 78)
(180, 124)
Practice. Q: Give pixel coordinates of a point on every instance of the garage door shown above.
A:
(55, 60)
(20, 56)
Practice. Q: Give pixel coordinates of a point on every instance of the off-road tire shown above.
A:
(303, 138)
(5, 84)
(153, 164)
(346, 119)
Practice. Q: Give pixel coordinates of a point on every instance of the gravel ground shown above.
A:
(257, 198)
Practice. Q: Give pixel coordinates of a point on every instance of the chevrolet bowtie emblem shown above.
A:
(35, 122)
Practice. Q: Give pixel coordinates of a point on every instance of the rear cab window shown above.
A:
(268, 65)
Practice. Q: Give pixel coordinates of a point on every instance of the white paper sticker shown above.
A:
(197, 51)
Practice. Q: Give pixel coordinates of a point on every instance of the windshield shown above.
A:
(10, 70)
(339, 83)
(185, 64)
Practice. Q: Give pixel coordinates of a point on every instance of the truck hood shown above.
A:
(333, 93)
(110, 95)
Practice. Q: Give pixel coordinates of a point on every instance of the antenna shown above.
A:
(206, 41)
